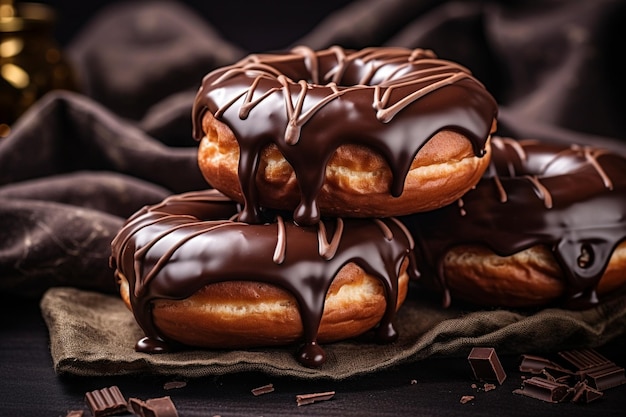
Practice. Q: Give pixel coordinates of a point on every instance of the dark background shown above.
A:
(253, 25)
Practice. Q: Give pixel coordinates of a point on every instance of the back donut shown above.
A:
(546, 225)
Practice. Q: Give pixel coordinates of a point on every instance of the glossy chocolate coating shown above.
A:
(572, 199)
(308, 103)
(173, 249)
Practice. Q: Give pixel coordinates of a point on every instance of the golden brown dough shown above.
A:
(238, 314)
(529, 278)
(357, 179)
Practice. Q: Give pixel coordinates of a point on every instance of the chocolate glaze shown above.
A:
(173, 249)
(572, 199)
(308, 103)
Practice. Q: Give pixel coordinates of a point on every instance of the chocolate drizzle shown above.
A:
(572, 199)
(173, 249)
(310, 103)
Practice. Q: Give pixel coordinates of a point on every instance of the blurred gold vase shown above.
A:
(31, 62)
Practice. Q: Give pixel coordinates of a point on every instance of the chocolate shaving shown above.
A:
(265, 389)
(106, 402)
(174, 385)
(306, 399)
(486, 365)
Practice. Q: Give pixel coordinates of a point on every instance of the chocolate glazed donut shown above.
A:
(390, 101)
(172, 250)
(548, 221)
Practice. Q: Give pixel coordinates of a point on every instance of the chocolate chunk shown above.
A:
(584, 358)
(106, 402)
(305, 399)
(603, 377)
(594, 373)
(154, 407)
(537, 365)
(544, 390)
(74, 413)
(583, 393)
(599, 372)
(486, 365)
(552, 375)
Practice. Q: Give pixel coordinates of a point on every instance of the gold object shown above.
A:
(31, 63)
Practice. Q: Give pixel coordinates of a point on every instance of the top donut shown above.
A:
(371, 133)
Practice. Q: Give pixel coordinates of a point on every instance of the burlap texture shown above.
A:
(93, 334)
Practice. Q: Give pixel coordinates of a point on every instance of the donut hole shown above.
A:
(586, 257)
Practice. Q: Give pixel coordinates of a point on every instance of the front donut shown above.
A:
(192, 275)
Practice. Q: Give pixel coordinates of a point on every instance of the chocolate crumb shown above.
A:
(306, 399)
(489, 387)
(174, 385)
(413, 381)
(265, 389)
(466, 398)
